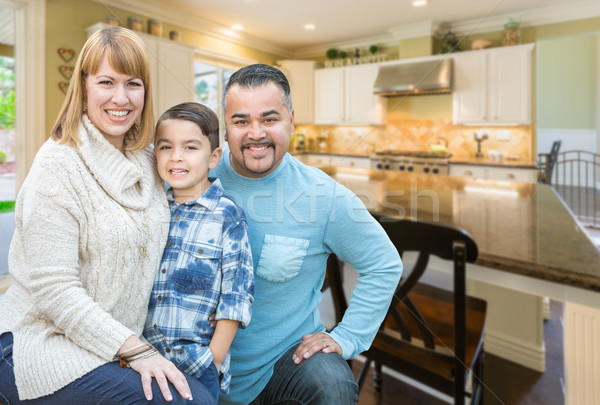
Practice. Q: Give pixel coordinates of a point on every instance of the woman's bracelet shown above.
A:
(136, 353)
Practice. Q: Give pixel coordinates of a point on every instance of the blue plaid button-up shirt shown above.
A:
(206, 268)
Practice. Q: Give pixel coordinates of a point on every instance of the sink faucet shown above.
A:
(479, 138)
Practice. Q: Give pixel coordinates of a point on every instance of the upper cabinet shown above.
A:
(345, 96)
(300, 74)
(171, 70)
(493, 86)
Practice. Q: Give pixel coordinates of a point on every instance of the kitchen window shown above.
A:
(211, 72)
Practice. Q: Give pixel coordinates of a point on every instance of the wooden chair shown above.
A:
(431, 335)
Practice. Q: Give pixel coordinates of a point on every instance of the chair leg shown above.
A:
(362, 375)
(377, 377)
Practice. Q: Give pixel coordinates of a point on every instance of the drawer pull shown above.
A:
(468, 173)
(510, 176)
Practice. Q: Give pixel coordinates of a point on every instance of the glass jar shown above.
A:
(512, 33)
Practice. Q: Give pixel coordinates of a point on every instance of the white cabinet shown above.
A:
(351, 161)
(171, 70)
(493, 172)
(472, 171)
(321, 160)
(315, 160)
(345, 96)
(493, 86)
(300, 74)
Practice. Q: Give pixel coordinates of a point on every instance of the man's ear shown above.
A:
(215, 157)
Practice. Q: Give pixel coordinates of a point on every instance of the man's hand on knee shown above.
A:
(313, 343)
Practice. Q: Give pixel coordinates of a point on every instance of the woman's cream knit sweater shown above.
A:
(91, 225)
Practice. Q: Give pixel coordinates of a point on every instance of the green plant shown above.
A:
(332, 53)
(3, 157)
(7, 93)
(7, 206)
(343, 54)
(373, 49)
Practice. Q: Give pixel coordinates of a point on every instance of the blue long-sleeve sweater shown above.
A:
(297, 216)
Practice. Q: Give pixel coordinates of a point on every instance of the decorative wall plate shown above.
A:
(66, 54)
(66, 71)
(63, 86)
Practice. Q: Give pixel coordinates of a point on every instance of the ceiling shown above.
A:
(281, 22)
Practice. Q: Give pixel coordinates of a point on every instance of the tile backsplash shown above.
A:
(416, 135)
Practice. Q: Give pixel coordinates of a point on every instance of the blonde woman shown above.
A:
(91, 224)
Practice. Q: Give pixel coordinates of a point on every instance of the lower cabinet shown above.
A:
(320, 160)
(519, 174)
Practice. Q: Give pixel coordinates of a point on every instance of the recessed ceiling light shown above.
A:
(237, 27)
(419, 3)
(310, 26)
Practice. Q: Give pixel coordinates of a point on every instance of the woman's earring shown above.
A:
(84, 106)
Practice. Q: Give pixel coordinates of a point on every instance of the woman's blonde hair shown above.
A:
(126, 54)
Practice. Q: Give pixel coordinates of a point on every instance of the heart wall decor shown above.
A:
(66, 54)
(63, 86)
(66, 71)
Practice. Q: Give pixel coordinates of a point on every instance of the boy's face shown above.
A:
(183, 158)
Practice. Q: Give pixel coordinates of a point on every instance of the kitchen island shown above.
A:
(530, 247)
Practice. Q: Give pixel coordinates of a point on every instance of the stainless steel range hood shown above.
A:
(415, 78)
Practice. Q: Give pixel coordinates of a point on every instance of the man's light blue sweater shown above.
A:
(297, 216)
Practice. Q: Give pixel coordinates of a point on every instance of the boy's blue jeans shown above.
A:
(322, 379)
(107, 385)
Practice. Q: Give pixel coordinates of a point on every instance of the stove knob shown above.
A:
(386, 167)
(379, 166)
(401, 167)
(409, 168)
(426, 170)
(435, 170)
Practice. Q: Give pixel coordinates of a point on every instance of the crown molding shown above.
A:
(421, 29)
(155, 8)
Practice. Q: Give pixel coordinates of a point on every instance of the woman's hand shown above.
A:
(156, 366)
(161, 369)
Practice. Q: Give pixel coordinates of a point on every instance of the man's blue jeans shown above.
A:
(322, 379)
(107, 385)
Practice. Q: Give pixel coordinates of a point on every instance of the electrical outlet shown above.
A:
(503, 135)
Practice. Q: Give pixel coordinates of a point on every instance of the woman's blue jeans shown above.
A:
(322, 379)
(107, 385)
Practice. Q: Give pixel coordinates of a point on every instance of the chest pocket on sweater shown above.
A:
(281, 258)
(197, 266)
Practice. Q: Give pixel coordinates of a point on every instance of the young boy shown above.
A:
(206, 267)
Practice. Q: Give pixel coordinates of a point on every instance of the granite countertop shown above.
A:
(521, 228)
(508, 163)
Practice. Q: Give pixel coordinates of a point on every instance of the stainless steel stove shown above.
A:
(411, 161)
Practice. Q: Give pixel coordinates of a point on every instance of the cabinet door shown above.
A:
(348, 161)
(362, 105)
(329, 96)
(512, 174)
(510, 86)
(175, 75)
(472, 171)
(469, 96)
(300, 74)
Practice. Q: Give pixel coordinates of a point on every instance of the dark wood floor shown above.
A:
(506, 383)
